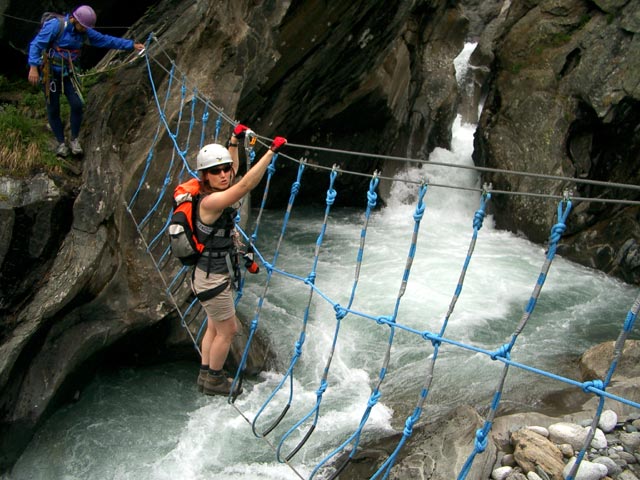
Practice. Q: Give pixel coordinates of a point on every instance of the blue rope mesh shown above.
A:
(153, 224)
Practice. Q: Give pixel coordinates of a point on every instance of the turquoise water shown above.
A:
(150, 423)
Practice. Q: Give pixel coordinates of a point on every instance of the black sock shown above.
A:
(204, 367)
(215, 373)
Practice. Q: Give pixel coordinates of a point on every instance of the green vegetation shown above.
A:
(25, 141)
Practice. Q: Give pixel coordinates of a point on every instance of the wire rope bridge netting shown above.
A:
(188, 120)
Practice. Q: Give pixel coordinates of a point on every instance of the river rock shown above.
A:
(630, 441)
(586, 470)
(608, 421)
(627, 475)
(539, 430)
(612, 467)
(501, 473)
(595, 362)
(532, 450)
(570, 433)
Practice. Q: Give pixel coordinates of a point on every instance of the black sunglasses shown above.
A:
(216, 170)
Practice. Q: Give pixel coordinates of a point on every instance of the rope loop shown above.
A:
(481, 440)
(417, 216)
(372, 199)
(322, 388)
(556, 232)
(478, 218)
(502, 352)
(420, 207)
(408, 427)
(372, 196)
(381, 320)
(340, 312)
(373, 399)
(331, 196)
(334, 174)
(599, 384)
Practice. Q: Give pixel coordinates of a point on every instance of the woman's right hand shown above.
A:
(277, 144)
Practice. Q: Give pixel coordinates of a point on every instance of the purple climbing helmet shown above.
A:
(85, 16)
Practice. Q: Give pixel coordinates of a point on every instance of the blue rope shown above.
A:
(205, 120)
(564, 207)
(154, 142)
(330, 199)
(477, 225)
(354, 439)
(218, 126)
(295, 188)
(602, 385)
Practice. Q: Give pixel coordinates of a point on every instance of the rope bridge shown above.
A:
(187, 130)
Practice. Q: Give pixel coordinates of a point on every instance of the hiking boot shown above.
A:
(218, 385)
(202, 376)
(62, 150)
(76, 148)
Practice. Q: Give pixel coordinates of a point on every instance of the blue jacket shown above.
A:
(69, 43)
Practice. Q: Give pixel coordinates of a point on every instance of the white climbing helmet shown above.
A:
(212, 155)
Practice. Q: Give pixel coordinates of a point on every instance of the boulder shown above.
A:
(596, 362)
(532, 451)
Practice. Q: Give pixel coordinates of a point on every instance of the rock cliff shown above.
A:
(558, 79)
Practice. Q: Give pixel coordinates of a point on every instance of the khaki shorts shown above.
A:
(221, 307)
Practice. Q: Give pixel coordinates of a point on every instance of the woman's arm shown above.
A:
(216, 202)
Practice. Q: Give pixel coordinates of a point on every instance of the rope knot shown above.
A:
(502, 352)
(311, 279)
(295, 188)
(417, 216)
(298, 348)
(340, 312)
(556, 232)
(373, 399)
(331, 196)
(269, 267)
(322, 388)
(408, 427)
(481, 440)
(271, 169)
(478, 218)
(599, 384)
(382, 320)
(372, 198)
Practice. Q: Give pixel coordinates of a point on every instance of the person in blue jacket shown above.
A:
(53, 57)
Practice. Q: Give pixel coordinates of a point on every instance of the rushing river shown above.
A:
(151, 423)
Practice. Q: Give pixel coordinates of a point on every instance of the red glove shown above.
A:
(277, 144)
(240, 130)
